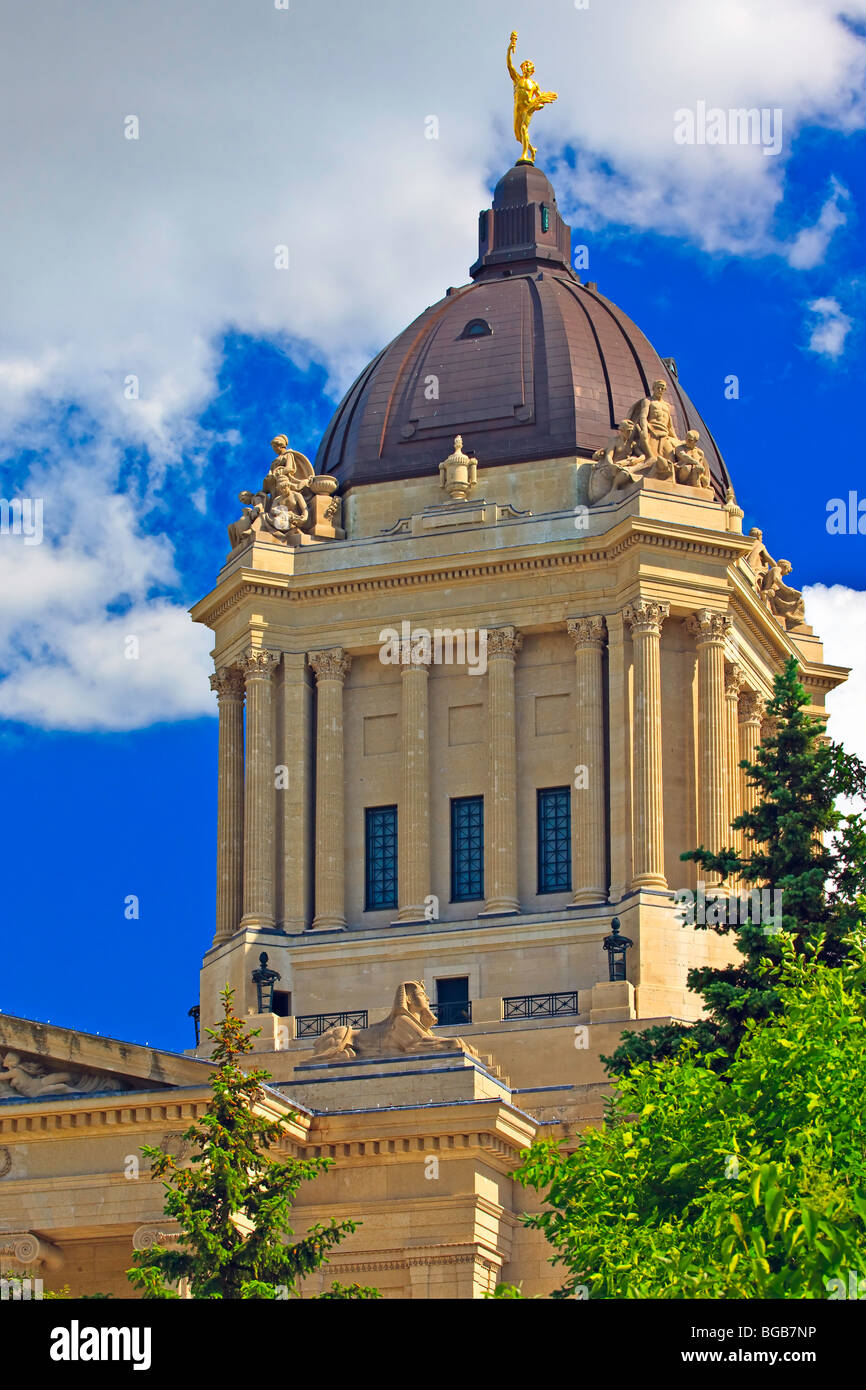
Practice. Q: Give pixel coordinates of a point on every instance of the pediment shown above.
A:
(42, 1060)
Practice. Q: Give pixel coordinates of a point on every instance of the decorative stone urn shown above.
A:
(458, 473)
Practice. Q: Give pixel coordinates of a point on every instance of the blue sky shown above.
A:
(311, 135)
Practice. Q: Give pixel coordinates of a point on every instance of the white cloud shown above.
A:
(809, 246)
(831, 328)
(838, 615)
(306, 127)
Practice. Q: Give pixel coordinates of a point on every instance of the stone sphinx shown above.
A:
(292, 502)
(407, 1029)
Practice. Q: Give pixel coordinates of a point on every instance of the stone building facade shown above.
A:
(484, 671)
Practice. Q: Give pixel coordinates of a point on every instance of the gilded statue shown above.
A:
(528, 98)
(407, 1029)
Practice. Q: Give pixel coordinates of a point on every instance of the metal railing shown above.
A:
(455, 1011)
(540, 1005)
(314, 1025)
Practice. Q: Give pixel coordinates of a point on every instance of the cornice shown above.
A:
(422, 572)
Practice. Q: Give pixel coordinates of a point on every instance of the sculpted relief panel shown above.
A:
(31, 1079)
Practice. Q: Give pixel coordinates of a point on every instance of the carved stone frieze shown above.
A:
(20, 1077)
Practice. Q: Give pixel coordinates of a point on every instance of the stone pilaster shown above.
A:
(588, 822)
(295, 795)
(228, 682)
(500, 807)
(645, 618)
(259, 666)
(751, 722)
(620, 754)
(733, 686)
(330, 667)
(413, 828)
(710, 631)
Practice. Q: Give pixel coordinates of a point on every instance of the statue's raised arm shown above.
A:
(512, 70)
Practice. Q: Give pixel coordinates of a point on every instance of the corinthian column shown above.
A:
(588, 841)
(331, 668)
(710, 631)
(228, 682)
(500, 810)
(259, 667)
(645, 619)
(413, 834)
(733, 686)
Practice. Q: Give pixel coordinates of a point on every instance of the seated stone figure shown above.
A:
(407, 1029)
(656, 433)
(691, 463)
(786, 603)
(612, 466)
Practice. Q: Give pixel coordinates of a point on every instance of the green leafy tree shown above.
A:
(233, 1201)
(749, 1183)
(796, 841)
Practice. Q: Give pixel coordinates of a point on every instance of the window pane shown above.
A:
(467, 848)
(554, 840)
(380, 857)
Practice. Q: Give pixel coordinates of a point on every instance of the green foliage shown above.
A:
(796, 841)
(233, 1201)
(749, 1183)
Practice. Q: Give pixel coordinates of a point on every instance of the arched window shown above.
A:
(476, 328)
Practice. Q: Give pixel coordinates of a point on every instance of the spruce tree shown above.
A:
(233, 1201)
(796, 841)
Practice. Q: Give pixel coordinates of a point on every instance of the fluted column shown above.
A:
(733, 686)
(645, 619)
(500, 807)
(259, 667)
(751, 722)
(331, 667)
(295, 795)
(588, 828)
(413, 830)
(228, 682)
(710, 631)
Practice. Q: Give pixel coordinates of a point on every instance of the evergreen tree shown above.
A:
(796, 841)
(233, 1202)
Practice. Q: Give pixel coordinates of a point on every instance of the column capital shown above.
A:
(259, 663)
(503, 641)
(707, 626)
(228, 683)
(646, 616)
(332, 664)
(735, 679)
(587, 632)
(416, 663)
(751, 708)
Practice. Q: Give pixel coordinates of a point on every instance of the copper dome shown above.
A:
(525, 362)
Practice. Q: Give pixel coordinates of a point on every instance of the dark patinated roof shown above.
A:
(525, 362)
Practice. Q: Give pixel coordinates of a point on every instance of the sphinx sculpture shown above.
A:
(292, 501)
(407, 1029)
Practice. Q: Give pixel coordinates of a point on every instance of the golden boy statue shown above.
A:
(528, 98)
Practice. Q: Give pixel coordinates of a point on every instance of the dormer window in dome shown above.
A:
(477, 328)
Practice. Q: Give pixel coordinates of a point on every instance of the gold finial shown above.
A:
(528, 98)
